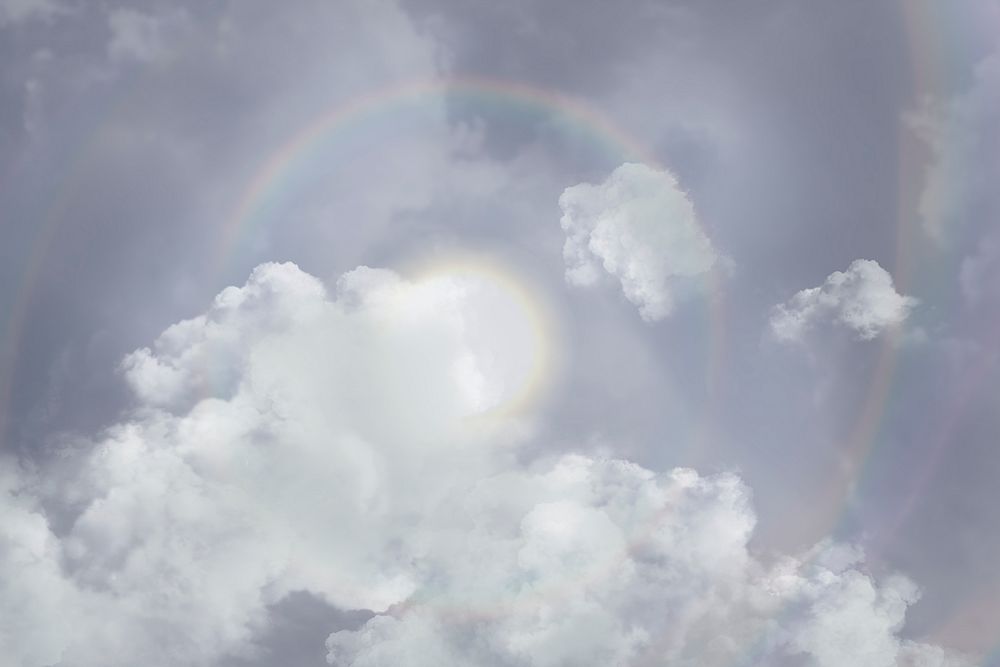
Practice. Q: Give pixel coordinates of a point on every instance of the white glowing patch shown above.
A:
(503, 331)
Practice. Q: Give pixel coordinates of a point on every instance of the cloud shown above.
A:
(18, 11)
(174, 163)
(960, 132)
(639, 227)
(980, 272)
(863, 299)
(601, 562)
(290, 439)
(35, 609)
(961, 207)
(284, 440)
(147, 38)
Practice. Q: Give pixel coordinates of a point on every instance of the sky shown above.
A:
(500, 334)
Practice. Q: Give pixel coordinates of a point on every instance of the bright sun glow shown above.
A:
(506, 329)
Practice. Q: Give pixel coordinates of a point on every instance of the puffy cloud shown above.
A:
(863, 299)
(597, 562)
(290, 439)
(36, 608)
(284, 440)
(639, 227)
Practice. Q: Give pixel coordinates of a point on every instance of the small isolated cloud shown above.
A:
(289, 439)
(862, 299)
(639, 227)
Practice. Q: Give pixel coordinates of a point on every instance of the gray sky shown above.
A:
(699, 307)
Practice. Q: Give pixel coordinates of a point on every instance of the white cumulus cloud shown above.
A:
(602, 562)
(639, 227)
(284, 440)
(862, 299)
(292, 439)
(35, 598)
